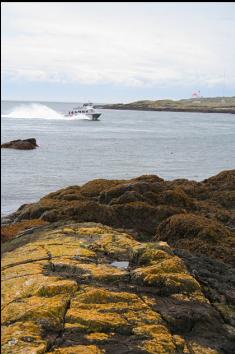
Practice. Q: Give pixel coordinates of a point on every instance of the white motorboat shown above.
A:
(87, 109)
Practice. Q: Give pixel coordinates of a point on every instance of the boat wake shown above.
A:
(79, 116)
(39, 111)
(34, 110)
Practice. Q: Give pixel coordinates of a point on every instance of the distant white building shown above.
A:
(196, 94)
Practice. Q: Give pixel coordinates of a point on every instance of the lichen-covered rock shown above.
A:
(65, 290)
(79, 349)
(23, 337)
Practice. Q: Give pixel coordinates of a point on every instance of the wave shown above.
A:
(36, 110)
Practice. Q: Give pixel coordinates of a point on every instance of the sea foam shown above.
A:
(36, 110)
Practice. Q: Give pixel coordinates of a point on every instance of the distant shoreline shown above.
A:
(199, 104)
(230, 111)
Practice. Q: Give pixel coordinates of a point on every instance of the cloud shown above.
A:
(128, 45)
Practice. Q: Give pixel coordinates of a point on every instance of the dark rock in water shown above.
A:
(26, 144)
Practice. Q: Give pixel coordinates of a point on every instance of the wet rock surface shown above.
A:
(25, 144)
(62, 292)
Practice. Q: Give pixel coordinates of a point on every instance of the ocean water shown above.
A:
(123, 144)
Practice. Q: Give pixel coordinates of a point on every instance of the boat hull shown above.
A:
(94, 116)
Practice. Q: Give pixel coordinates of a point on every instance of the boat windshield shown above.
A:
(85, 108)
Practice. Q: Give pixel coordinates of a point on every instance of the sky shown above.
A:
(117, 52)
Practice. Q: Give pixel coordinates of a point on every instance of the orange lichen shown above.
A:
(99, 336)
(22, 338)
(60, 282)
(79, 349)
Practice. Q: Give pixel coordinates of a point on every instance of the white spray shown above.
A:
(37, 110)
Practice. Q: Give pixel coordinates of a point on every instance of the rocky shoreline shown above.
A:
(122, 266)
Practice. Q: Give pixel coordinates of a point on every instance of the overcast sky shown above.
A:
(117, 52)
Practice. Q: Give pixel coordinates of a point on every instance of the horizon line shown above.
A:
(161, 99)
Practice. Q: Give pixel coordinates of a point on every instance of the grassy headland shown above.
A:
(208, 105)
